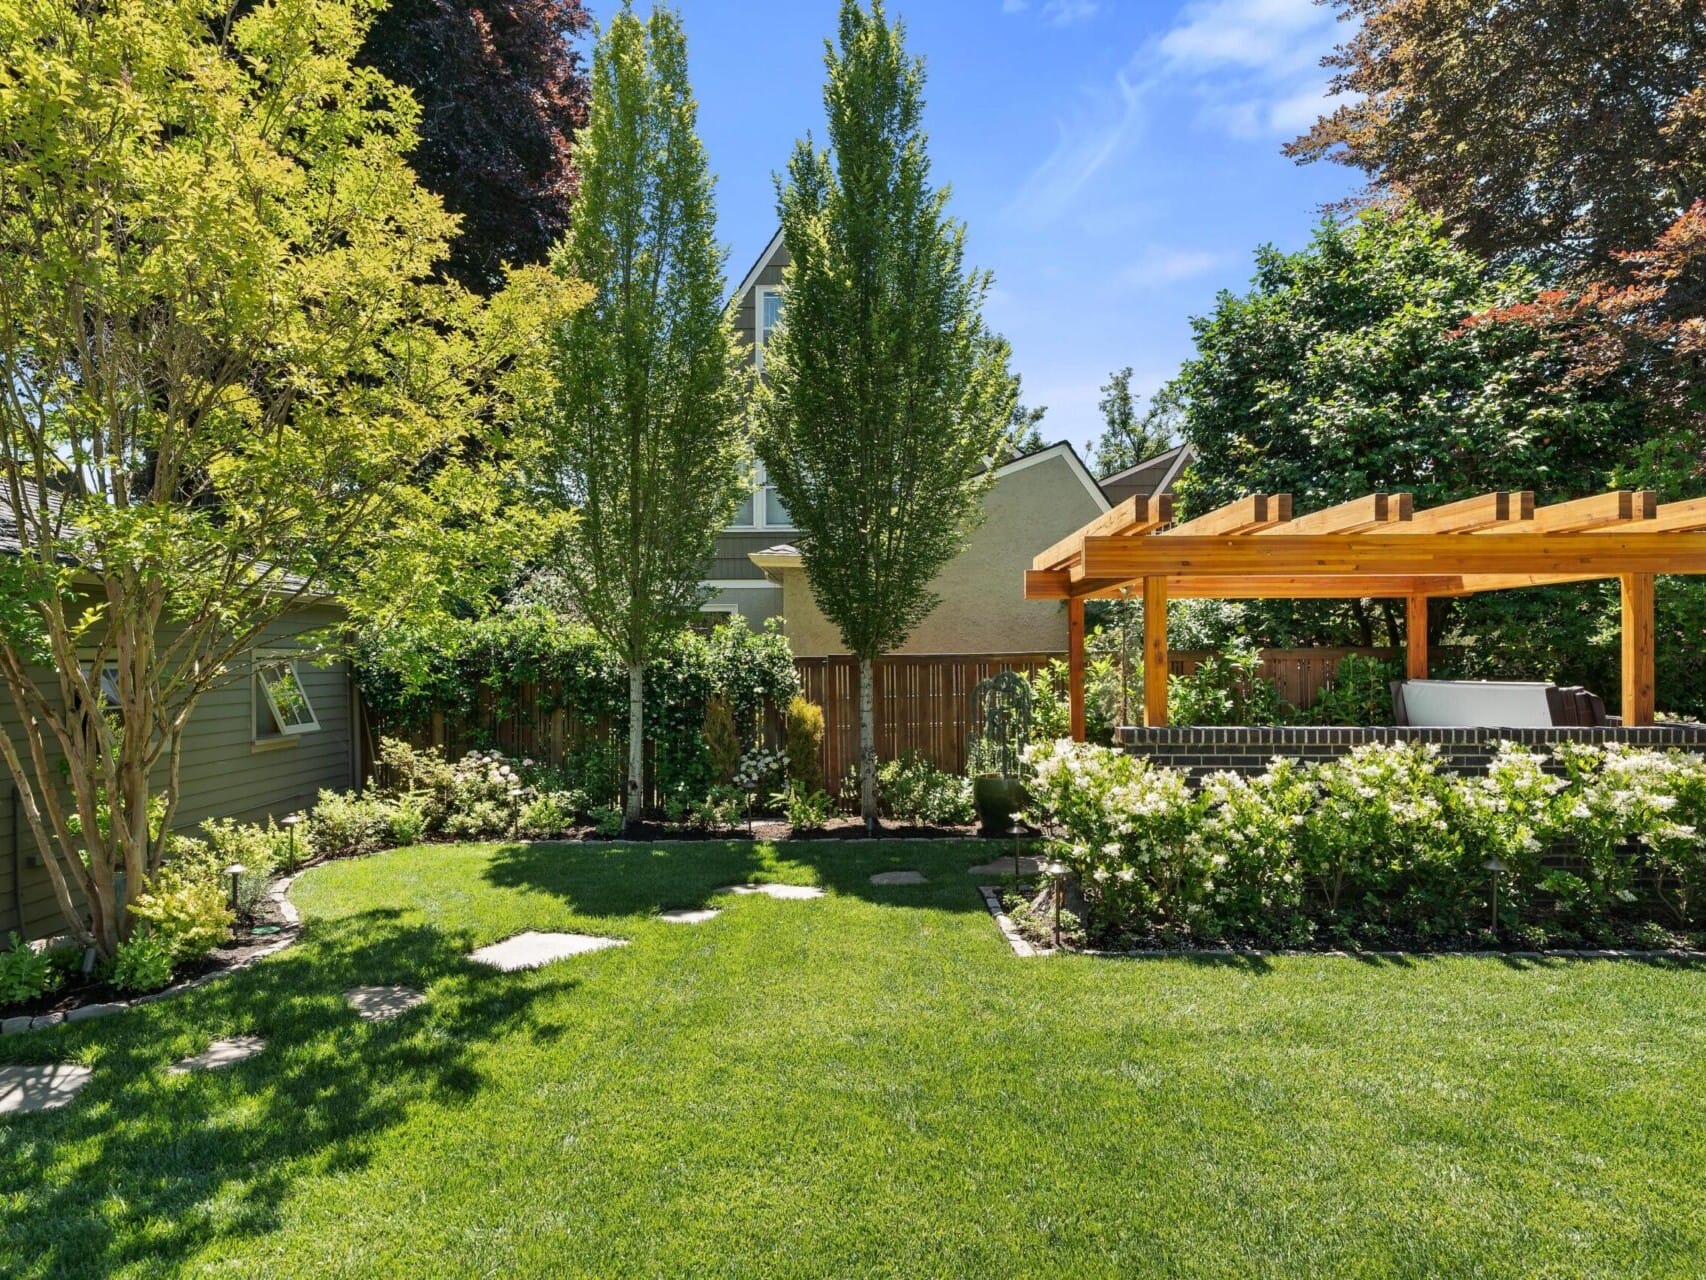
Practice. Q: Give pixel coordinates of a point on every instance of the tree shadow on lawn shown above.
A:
(644, 879)
(143, 1168)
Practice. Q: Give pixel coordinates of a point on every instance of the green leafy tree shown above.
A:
(886, 396)
(646, 435)
(222, 358)
(1129, 435)
(1347, 369)
(1024, 428)
(1550, 132)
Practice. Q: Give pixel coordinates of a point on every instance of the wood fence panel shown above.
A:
(921, 704)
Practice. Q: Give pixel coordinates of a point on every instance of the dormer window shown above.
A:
(769, 305)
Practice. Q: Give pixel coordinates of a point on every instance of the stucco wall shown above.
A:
(982, 609)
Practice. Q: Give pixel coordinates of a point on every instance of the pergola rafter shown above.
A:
(1377, 546)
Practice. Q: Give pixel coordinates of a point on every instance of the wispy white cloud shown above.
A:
(1249, 69)
(1063, 13)
(1161, 266)
(1057, 13)
(1099, 128)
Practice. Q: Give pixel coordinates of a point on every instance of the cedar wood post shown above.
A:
(1638, 676)
(1075, 664)
(1416, 638)
(1154, 651)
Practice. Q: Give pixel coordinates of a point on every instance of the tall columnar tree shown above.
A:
(502, 94)
(646, 436)
(886, 396)
(221, 360)
(1548, 132)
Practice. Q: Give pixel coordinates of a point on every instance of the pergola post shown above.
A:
(1416, 638)
(1155, 667)
(1638, 677)
(1075, 664)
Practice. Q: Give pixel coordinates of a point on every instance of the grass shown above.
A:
(868, 1084)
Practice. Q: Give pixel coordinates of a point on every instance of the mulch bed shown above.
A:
(264, 931)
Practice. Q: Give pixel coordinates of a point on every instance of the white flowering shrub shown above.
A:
(760, 770)
(1252, 830)
(1382, 844)
(1128, 830)
(1381, 821)
(1620, 799)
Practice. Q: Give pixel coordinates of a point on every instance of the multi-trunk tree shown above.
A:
(886, 397)
(646, 437)
(222, 359)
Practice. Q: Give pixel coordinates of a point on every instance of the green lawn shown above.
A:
(868, 1084)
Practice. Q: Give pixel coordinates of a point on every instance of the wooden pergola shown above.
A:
(1376, 546)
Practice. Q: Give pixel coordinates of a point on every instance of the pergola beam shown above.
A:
(1368, 512)
(1488, 510)
(1135, 515)
(1673, 517)
(1619, 507)
(1424, 554)
(1258, 511)
(1057, 584)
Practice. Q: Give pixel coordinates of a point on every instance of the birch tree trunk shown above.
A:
(636, 742)
(867, 748)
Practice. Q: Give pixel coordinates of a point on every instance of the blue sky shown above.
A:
(1116, 161)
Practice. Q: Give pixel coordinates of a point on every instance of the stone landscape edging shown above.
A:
(291, 931)
(1026, 949)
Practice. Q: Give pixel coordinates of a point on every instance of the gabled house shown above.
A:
(757, 570)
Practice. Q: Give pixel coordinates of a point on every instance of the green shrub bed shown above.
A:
(1383, 848)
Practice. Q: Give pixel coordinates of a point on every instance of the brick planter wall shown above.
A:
(1248, 749)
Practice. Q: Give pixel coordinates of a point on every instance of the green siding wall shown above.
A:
(224, 773)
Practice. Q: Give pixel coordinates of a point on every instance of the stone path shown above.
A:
(530, 950)
(39, 1088)
(221, 1053)
(786, 892)
(1028, 866)
(689, 917)
(376, 1004)
(898, 877)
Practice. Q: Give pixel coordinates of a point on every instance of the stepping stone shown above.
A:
(376, 1004)
(898, 877)
(221, 1053)
(530, 950)
(1028, 866)
(39, 1088)
(689, 917)
(787, 892)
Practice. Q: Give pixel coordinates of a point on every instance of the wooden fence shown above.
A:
(1299, 674)
(921, 705)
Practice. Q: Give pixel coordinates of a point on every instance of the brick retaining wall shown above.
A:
(1248, 749)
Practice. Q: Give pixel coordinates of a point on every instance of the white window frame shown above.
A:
(258, 685)
(761, 507)
(758, 341)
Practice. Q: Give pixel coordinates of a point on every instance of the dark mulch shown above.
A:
(267, 927)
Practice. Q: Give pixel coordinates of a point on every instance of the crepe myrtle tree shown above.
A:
(646, 436)
(221, 364)
(886, 397)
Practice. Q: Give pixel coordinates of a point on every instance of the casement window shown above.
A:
(769, 310)
(762, 508)
(282, 706)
